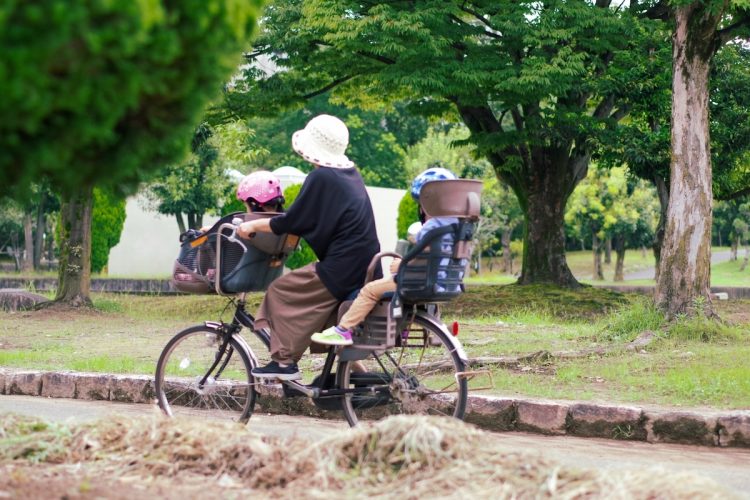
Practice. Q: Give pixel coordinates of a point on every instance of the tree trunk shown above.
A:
(543, 201)
(747, 256)
(685, 267)
(50, 244)
(733, 248)
(663, 191)
(75, 249)
(596, 246)
(608, 251)
(15, 251)
(478, 253)
(28, 243)
(41, 223)
(619, 244)
(180, 222)
(507, 257)
(191, 220)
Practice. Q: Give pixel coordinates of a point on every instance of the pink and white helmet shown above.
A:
(262, 186)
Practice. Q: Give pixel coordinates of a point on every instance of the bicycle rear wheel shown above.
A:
(199, 374)
(419, 377)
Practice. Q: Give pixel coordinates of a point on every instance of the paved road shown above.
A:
(649, 274)
(729, 467)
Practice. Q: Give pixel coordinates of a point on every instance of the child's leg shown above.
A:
(366, 300)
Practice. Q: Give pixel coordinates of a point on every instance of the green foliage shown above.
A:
(610, 204)
(536, 84)
(625, 324)
(439, 148)
(703, 329)
(408, 213)
(106, 92)
(585, 303)
(304, 254)
(195, 186)
(377, 138)
(107, 221)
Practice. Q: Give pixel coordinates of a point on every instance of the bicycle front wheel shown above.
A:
(200, 374)
(422, 376)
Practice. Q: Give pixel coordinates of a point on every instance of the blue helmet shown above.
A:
(431, 174)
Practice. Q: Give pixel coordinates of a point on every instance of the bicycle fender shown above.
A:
(241, 341)
(218, 326)
(455, 344)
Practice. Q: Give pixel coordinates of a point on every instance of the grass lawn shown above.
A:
(581, 264)
(691, 363)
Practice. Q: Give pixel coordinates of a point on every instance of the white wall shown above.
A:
(149, 242)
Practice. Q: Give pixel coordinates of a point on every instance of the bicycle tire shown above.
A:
(228, 392)
(410, 390)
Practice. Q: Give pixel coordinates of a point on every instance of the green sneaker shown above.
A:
(333, 336)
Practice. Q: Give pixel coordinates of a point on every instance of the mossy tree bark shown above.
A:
(543, 199)
(596, 245)
(74, 282)
(618, 243)
(685, 264)
(28, 243)
(663, 192)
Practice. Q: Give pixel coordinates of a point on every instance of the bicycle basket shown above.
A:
(194, 270)
(250, 265)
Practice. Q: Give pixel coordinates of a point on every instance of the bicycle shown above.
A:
(404, 358)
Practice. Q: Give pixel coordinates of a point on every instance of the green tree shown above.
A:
(610, 204)
(440, 148)
(533, 83)
(500, 205)
(700, 29)
(105, 93)
(377, 138)
(304, 254)
(11, 230)
(643, 142)
(193, 187)
(107, 221)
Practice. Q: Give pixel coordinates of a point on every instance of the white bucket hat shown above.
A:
(323, 142)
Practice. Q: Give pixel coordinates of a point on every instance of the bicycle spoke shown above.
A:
(226, 389)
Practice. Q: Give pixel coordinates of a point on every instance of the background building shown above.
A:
(149, 241)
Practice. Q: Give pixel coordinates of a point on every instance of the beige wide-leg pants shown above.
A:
(295, 306)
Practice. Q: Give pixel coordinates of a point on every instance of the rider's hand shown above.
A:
(246, 229)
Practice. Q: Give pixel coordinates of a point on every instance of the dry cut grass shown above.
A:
(400, 457)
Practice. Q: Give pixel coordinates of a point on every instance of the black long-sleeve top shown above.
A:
(334, 215)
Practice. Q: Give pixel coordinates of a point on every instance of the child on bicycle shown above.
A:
(369, 295)
(261, 192)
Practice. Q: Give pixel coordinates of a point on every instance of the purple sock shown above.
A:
(344, 332)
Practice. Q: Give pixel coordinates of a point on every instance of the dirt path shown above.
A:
(729, 467)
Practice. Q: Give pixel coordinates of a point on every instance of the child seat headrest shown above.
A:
(452, 198)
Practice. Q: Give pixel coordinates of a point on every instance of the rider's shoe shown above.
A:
(274, 370)
(333, 336)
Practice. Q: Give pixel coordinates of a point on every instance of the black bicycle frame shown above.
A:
(244, 318)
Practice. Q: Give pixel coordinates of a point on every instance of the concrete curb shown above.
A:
(581, 419)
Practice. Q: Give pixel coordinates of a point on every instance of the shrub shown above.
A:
(304, 254)
(107, 222)
(408, 213)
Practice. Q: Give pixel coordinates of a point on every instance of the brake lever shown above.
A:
(233, 237)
